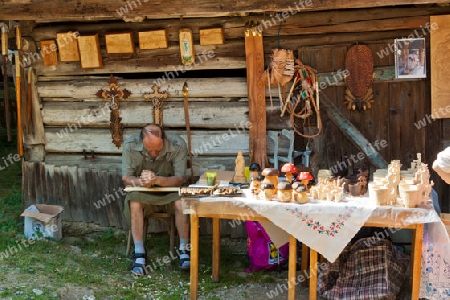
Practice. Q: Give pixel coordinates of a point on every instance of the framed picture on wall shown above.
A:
(410, 59)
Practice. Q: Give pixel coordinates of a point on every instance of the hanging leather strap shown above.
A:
(188, 128)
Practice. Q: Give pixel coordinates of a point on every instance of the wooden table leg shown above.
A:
(292, 267)
(216, 250)
(416, 260)
(305, 261)
(194, 256)
(313, 274)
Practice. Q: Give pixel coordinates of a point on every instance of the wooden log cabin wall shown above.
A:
(69, 155)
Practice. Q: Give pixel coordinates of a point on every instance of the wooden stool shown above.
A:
(167, 219)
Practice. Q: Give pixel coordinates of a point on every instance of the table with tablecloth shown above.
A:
(327, 227)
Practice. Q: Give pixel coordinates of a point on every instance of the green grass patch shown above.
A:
(93, 261)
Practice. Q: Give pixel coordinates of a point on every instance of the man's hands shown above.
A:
(148, 178)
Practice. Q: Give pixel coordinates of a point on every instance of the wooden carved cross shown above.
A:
(114, 95)
(157, 98)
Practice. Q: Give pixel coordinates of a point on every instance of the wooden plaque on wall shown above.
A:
(49, 55)
(154, 39)
(68, 46)
(90, 54)
(119, 43)
(440, 65)
(212, 36)
(186, 47)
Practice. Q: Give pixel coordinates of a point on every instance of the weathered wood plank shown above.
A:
(351, 132)
(203, 89)
(36, 134)
(136, 114)
(116, 9)
(209, 143)
(74, 192)
(111, 163)
(298, 24)
(198, 88)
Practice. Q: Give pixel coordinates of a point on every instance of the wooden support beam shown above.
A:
(349, 130)
(63, 10)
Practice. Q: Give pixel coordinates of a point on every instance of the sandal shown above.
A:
(185, 260)
(136, 265)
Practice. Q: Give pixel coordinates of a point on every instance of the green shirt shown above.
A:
(134, 155)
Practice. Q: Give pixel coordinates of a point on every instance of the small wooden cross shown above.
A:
(157, 98)
(113, 95)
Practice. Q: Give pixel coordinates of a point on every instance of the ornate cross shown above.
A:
(157, 98)
(114, 95)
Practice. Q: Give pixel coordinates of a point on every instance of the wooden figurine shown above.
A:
(157, 99)
(239, 170)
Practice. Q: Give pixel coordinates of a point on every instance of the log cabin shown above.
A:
(69, 52)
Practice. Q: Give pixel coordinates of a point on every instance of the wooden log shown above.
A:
(198, 88)
(136, 114)
(111, 163)
(234, 26)
(204, 143)
(116, 9)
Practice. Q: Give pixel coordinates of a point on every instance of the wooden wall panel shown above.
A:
(439, 41)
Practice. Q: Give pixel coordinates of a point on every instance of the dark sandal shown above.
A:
(136, 265)
(185, 260)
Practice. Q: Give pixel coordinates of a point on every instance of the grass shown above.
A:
(91, 260)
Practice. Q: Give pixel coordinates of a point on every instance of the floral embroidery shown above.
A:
(330, 230)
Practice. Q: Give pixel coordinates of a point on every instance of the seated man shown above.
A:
(149, 159)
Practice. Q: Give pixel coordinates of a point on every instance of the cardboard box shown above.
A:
(47, 221)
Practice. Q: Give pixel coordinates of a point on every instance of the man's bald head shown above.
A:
(153, 139)
(154, 130)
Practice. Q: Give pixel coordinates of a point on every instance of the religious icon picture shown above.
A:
(410, 59)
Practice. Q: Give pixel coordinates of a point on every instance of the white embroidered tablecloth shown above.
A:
(327, 227)
(435, 276)
(324, 226)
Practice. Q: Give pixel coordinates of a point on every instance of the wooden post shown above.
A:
(254, 56)
(18, 92)
(5, 79)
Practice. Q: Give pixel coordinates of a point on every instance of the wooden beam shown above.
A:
(349, 130)
(72, 139)
(361, 20)
(137, 10)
